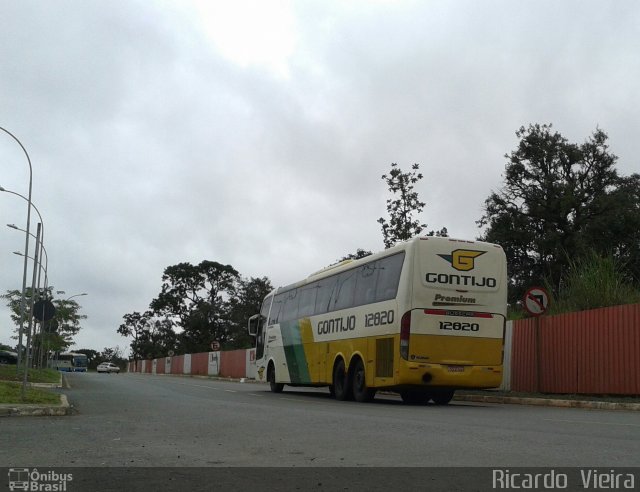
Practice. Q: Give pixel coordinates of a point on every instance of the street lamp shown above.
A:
(26, 232)
(46, 277)
(76, 295)
(43, 249)
(26, 246)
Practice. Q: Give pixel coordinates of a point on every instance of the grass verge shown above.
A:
(8, 373)
(10, 392)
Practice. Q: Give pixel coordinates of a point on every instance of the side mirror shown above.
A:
(254, 324)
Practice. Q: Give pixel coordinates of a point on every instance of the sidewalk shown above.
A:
(576, 401)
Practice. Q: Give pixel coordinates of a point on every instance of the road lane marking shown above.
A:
(231, 391)
(591, 422)
(254, 394)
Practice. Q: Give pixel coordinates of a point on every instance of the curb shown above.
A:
(28, 410)
(514, 400)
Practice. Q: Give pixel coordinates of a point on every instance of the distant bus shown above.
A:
(423, 318)
(69, 362)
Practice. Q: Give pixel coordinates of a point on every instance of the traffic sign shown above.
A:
(44, 310)
(215, 345)
(536, 301)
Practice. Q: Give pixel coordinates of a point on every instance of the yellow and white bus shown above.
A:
(423, 318)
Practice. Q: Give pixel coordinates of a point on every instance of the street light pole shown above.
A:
(44, 290)
(33, 287)
(26, 247)
(13, 226)
(39, 245)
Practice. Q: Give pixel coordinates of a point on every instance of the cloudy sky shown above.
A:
(254, 133)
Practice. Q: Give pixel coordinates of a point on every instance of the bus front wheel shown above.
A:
(361, 393)
(271, 377)
(341, 387)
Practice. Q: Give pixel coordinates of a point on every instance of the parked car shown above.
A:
(7, 357)
(108, 367)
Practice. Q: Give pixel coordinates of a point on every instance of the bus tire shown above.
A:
(271, 377)
(341, 387)
(442, 397)
(415, 397)
(361, 393)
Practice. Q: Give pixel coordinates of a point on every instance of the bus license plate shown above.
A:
(455, 368)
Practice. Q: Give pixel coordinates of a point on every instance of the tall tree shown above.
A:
(404, 203)
(559, 201)
(248, 300)
(135, 324)
(195, 297)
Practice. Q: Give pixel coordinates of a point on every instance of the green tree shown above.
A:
(360, 253)
(404, 203)
(558, 202)
(111, 354)
(58, 333)
(250, 294)
(134, 325)
(196, 298)
(153, 337)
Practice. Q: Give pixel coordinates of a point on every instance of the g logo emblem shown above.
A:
(462, 260)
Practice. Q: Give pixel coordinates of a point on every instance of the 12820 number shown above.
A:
(377, 319)
(457, 326)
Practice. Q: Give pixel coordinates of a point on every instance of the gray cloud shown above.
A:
(151, 147)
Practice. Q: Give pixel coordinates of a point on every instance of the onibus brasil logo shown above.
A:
(33, 480)
(462, 260)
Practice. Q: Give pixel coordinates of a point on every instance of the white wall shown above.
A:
(214, 363)
(506, 368)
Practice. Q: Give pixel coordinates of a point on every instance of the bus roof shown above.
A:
(348, 264)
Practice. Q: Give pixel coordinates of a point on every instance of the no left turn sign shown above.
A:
(536, 301)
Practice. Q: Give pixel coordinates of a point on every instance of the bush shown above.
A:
(594, 281)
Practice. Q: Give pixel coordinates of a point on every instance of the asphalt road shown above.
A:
(144, 420)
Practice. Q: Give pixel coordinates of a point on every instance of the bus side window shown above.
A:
(389, 277)
(307, 304)
(264, 311)
(323, 298)
(343, 296)
(290, 308)
(366, 284)
(276, 309)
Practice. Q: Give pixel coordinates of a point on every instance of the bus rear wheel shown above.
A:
(415, 397)
(442, 397)
(271, 377)
(341, 387)
(361, 393)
